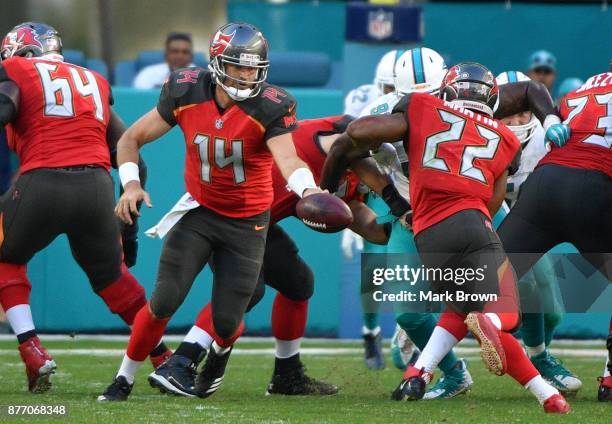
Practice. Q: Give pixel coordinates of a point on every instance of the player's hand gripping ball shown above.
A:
(324, 212)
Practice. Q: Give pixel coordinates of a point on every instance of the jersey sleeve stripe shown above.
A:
(259, 124)
(182, 108)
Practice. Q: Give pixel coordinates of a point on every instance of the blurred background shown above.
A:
(320, 50)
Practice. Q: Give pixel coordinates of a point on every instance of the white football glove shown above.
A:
(349, 239)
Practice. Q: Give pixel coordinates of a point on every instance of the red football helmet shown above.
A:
(31, 39)
(471, 86)
(239, 44)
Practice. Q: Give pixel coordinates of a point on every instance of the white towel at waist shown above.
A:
(184, 205)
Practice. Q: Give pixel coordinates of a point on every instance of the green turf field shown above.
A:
(364, 397)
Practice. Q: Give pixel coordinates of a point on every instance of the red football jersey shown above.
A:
(306, 140)
(455, 156)
(588, 112)
(63, 114)
(228, 167)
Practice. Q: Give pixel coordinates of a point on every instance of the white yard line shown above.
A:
(178, 338)
(592, 353)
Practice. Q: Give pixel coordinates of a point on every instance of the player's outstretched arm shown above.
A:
(370, 132)
(295, 171)
(361, 136)
(148, 128)
(525, 95)
(364, 224)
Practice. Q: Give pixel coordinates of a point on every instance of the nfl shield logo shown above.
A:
(218, 124)
(380, 24)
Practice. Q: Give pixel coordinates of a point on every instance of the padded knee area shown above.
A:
(225, 324)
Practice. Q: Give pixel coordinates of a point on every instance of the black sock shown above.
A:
(24, 337)
(190, 350)
(283, 365)
(159, 349)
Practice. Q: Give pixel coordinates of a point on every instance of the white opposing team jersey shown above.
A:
(530, 156)
(358, 98)
(391, 161)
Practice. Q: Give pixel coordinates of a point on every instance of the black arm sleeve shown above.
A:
(286, 122)
(525, 95)
(402, 107)
(167, 103)
(130, 232)
(8, 111)
(9, 98)
(114, 131)
(516, 163)
(336, 163)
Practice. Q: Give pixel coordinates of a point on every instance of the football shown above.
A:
(324, 212)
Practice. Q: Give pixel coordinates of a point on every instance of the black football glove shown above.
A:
(129, 238)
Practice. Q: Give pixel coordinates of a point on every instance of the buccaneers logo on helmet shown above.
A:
(220, 42)
(21, 37)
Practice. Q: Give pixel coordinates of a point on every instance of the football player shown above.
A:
(60, 124)
(235, 127)
(360, 97)
(284, 270)
(577, 172)
(458, 163)
(418, 70)
(356, 103)
(537, 328)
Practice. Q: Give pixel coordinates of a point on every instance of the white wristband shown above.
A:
(550, 120)
(300, 180)
(128, 172)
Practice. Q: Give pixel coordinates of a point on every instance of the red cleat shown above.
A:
(39, 365)
(556, 404)
(604, 394)
(491, 348)
(156, 361)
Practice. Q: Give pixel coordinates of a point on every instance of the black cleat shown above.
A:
(119, 390)
(211, 376)
(175, 376)
(296, 382)
(374, 358)
(413, 385)
(604, 394)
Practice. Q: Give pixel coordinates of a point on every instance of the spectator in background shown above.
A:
(567, 85)
(178, 54)
(542, 68)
